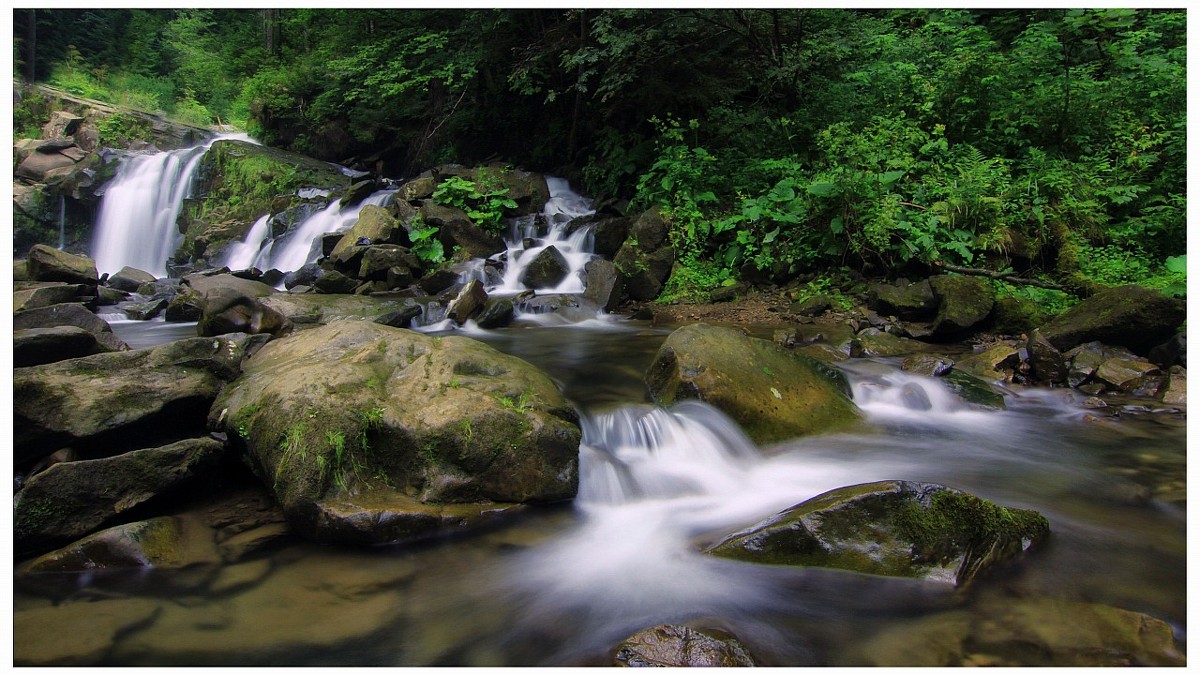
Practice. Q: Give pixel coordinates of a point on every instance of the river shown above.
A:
(563, 584)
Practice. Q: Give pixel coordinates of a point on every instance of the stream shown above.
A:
(563, 584)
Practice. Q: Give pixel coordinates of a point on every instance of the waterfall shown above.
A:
(302, 245)
(136, 226)
(563, 206)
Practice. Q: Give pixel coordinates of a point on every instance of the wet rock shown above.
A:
(38, 346)
(682, 647)
(39, 166)
(437, 281)
(249, 543)
(604, 286)
(358, 192)
(39, 640)
(908, 301)
(1046, 363)
(497, 313)
(467, 303)
(784, 337)
(1124, 374)
(32, 294)
(207, 283)
(71, 499)
(728, 293)
(997, 362)
(355, 453)
(928, 365)
(229, 310)
(144, 311)
(334, 282)
(378, 259)
(401, 318)
(963, 304)
(892, 528)
(608, 233)
(874, 342)
(773, 393)
(973, 390)
(307, 275)
(69, 314)
(187, 305)
(377, 224)
(1172, 352)
(110, 402)
(547, 270)
(129, 279)
(49, 264)
(1127, 316)
(646, 258)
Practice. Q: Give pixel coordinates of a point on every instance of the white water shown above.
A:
(242, 255)
(301, 246)
(563, 206)
(136, 225)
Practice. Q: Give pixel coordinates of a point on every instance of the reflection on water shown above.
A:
(563, 584)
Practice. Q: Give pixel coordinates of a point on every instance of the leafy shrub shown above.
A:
(484, 205)
(425, 244)
(693, 281)
(120, 129)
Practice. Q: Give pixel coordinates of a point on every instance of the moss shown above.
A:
(963, 520)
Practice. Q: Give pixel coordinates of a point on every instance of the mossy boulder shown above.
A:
(964, 303)
(973, 390)
(108, 403)
(38, 346)
(372, 434)
(772, 392)
(376, 224)
(1128, 316)
(892, 528)
(50, 264)
(904, 300)
(71, 499)
(645, 259)
(163, 541)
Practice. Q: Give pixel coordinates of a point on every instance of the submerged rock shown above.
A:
(165, 542)
(329, 420)
(39, 638)
(772, 392)
(680, 646)
(892, 528)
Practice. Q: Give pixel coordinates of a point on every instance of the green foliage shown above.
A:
(693, 281)
(483, 204)
(425, 244)
(119, 129)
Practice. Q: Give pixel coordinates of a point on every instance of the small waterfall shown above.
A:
(242, 255)
(293, 250)
(136, 224)
(563, 206)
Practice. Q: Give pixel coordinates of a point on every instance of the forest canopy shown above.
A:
(776, 141)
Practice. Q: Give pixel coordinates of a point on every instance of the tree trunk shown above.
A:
(31, 46)
(271, 30)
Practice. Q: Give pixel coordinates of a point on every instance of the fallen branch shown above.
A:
(1010, 277)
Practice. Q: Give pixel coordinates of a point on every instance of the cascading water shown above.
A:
(293, 250)
(563, 206)
(136, 224)
(243, 254)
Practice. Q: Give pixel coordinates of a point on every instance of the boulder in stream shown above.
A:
(49, 264)
(547, 269)
(37, 346)
(892, 528)
(1127, 316)
(772, 392)
(371, 434)
(129, 279)
(963, 304)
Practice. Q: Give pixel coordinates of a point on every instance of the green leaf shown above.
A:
(821, 189)
(770, 236)
(836, 226)
(1177, 264)
(890, 177)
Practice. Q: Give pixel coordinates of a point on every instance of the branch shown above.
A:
(1010, 277)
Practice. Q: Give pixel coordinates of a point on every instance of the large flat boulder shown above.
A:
(105, 403)
(892, 528)
(37, 346)
(772, 392)
(46, 263)
(372, 434)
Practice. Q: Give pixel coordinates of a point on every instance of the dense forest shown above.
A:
(1047, 143)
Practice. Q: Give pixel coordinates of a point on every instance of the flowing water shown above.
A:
(135, 225)
(561, 585)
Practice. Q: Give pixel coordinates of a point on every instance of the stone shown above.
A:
(334, 282)
(644, 273)
(813, 305)
(490, 431)
(378, 260)
(204, 284)
(377, 224)
(964, 303)
(997, 362)
(307, 275)
(72, 499)
(437, 281)
(455, 228)
(122, 400)
(728, 293)
(1046, 363)
(38, 165)
(37, 346)
(1124, 374)
(1175, 390)
(973, 390)
(61, 125)
(497, 313)
(892, 528)
(64, 314)
(251, 542)
(772, 392)
(163, 541)
(608, 233)
(358, 192)
(401, 318)
(1128, 316)
(547, 270)
(229, 310)
(467, 303)
(682, 647)
(603, 285)
(129, 279)
(144, 311)
(1172, 352)
(911, 302)
(49, 264)
(44, 294)
(928, 365)
(874, 342)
